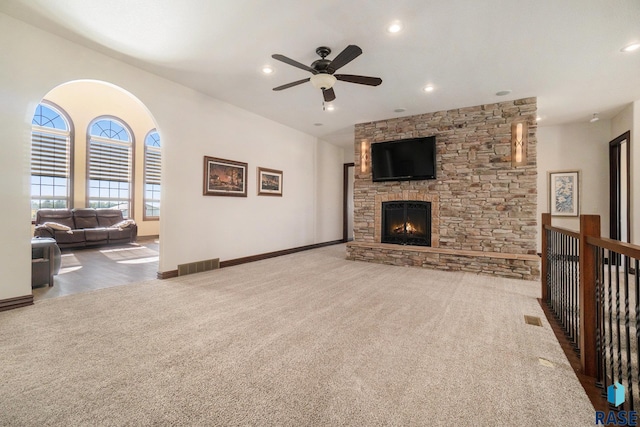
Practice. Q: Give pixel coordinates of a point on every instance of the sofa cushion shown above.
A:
(108, 217)
(64, 238)
(85, 218)
(119, 234)
(60, 216)
(96, 235)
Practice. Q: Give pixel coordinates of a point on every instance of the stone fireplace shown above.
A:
(483, 209)
(406, 223)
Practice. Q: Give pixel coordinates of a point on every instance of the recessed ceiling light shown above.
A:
(267, 69)
(503, 92)
(330, 107)
(400, 110)
(595, 118)
(394, 27)
(428, 88)
(631, 47)
(538, 118)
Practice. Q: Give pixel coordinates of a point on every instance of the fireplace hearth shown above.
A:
(406, 223)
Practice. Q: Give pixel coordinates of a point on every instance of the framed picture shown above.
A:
(224, 177)
(269, 182)
(564, 192)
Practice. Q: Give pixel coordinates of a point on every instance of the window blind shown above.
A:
(153, 163)
(109, 161)
(49, 155)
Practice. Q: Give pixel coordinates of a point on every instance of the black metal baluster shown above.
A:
(576, 266)
(553, 272)
(563, 283)
(627, 331)
(571, 285)
(610, 306)
(556, 281)
(549, 266)
(619, 338)
(637, 299)
(553, 278)
(599, 315)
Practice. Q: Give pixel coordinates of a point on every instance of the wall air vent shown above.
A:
(198, 266)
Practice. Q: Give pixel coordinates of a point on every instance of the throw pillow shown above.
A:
(56, 226)
(124, 224)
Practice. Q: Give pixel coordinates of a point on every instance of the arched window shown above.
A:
(50, 159)
(152, 168)
(110, 165)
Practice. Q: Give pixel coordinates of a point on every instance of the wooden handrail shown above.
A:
(574, 234)
(616, 246)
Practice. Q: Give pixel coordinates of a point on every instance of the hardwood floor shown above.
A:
(84, 270)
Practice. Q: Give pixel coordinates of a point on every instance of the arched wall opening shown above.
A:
(84, 101)
(86, 105)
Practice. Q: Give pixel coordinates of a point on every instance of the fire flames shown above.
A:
(411, 229)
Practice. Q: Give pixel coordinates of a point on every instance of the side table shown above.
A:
(45, 261)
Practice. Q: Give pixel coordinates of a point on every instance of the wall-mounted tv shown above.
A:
(403, 160)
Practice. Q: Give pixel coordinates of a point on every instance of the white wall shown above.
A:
(349, 155)
(583, 147)
(192, 227)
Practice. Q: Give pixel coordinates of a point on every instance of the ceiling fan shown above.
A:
(323, 69)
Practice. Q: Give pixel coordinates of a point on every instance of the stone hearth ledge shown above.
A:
(519, 266)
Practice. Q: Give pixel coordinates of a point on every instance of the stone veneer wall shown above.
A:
(484, 205)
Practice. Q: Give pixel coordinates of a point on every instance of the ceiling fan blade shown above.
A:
(294, 63)
(329, 95)
(361, 80)
(349, 53)
(292, 84)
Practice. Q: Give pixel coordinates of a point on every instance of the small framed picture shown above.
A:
(224, 177)
(564, 193)
(269, 182)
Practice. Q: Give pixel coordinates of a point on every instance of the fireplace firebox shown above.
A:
(406, 223)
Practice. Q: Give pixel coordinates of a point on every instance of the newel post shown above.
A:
(589, 226)
(546, 220)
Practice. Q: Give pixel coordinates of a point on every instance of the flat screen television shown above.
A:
(403, 160)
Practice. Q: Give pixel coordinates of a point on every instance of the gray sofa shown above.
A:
(73, 228)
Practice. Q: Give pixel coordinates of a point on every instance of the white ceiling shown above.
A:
(567, 53)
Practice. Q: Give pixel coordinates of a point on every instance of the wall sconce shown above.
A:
(364, 157)
(519, 133)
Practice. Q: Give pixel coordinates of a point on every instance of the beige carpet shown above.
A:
(308, 339)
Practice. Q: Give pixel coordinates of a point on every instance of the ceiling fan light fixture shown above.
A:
(323, 81)
(595, 118)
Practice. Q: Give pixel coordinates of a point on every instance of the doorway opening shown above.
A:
(348, 206)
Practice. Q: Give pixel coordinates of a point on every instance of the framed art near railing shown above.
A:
(564, 193)
(269, 182)
(224, 177)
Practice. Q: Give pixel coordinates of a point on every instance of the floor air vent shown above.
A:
(532, 320)
(198, 266)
